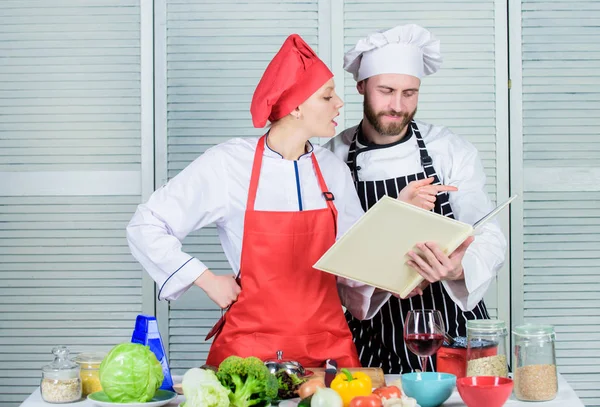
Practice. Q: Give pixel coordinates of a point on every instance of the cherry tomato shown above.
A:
(366, 401)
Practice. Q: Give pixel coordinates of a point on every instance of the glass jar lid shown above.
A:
(62, 367)
(533, 330)
(486, 325)
(90, 359)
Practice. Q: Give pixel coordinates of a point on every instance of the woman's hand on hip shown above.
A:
(223, 290)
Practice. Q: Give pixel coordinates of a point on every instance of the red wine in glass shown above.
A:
(424, 344)
(424, 333)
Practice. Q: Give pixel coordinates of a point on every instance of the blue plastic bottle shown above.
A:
(146, 333)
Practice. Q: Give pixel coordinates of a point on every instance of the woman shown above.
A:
(279, 203)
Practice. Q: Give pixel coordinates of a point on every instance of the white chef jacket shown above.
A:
(457, 163)
(214, 189)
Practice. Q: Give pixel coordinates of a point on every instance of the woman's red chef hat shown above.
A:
(293, 75)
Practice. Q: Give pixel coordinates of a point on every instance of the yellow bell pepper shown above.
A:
(349, 385)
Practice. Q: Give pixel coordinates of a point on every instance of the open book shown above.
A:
(373, 251)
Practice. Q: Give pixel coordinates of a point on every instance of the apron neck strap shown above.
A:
(329, 198)
(426, 160)
(258, 156)
(328, 195)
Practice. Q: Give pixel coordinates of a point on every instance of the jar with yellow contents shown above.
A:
(90, 372)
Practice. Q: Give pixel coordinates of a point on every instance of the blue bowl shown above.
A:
(429, 389)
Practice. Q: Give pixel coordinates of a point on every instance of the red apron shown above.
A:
(285, 304)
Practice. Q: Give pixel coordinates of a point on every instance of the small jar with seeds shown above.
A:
(61, 382)
(535, 374)
(486, 348)
(90, 372)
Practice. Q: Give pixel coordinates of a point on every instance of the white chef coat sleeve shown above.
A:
(362, 300)
(194, 198)
(486, 255)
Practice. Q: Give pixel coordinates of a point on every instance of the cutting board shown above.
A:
(375, 373)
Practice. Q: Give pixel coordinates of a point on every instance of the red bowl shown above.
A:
(488, 391)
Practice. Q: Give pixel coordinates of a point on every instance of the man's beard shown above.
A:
(391, 129)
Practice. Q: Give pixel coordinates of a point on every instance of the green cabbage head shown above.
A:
(130, 373)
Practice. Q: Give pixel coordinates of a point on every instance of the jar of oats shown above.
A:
(486, 348)
(60, 379)
(535, 374)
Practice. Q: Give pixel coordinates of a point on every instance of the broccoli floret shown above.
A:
(288, 384)
(249, 380)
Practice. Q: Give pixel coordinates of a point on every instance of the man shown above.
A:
(390, 153)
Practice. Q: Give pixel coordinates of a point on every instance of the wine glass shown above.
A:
(424, 333)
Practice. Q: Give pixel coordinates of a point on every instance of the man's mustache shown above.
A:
(397, 114)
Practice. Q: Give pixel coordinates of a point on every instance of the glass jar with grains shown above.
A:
(90, 372)
(489, 335)
(60, 379)
(535, 361)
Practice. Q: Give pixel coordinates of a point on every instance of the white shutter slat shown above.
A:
(92, 4)
(213, 64)
(213, 9)
(106, 303)
(73, 280)
(261, 31)
(411, 3)
(234, 3)
(543, 305)
(75, 26)
(558, 5)
(354, 34)
(384, 7)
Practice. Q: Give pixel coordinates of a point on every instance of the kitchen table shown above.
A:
(566, 398)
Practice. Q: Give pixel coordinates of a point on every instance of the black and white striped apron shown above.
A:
(379, 341)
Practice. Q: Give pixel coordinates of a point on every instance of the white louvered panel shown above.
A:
(67, 278)
(189, 326)
(216, 54)
(461, 95)
(561, 280)
(561, 150)
(70, 85)
(69, 121)
(561, 96)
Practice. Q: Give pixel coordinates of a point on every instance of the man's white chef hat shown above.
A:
(405, 49)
